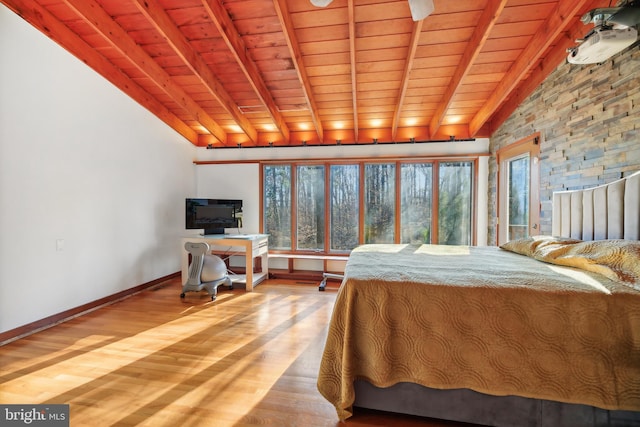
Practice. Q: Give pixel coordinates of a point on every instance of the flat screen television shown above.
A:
(212, 215)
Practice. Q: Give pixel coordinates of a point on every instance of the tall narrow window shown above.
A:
(454, 203)
(310, 207)
(415, 202)
(379, 202)
(277, 205)
(345, 208)
(518, 197)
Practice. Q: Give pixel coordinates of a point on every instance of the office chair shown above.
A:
(205, 272)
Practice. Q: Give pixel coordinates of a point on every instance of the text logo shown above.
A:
(34, 415)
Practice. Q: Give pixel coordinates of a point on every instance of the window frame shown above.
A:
(527, 146)
(361, 162)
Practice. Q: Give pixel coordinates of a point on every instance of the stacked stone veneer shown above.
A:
(588, 117)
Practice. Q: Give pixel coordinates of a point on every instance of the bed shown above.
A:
(544, 331)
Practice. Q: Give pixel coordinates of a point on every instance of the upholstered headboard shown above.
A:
(610, 211)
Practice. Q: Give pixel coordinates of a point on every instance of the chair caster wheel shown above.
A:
(230, 287)
(213, 297)
(182, 295)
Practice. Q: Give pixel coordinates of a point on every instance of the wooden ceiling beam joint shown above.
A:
(103, 24)
(487, 21)
(406, 75)
(557, 22)
(352, 59)
(46, 23)
(218, 14)
(288, 29)
(555, 56)
(163, 23)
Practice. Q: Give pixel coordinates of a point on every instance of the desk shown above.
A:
(251, 245)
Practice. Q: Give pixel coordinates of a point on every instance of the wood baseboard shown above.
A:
(47, 322)
(276, 273)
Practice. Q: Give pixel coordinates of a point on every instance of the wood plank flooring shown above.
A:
(154, 359)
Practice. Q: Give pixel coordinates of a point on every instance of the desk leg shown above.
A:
(265, 265)
(248, 255)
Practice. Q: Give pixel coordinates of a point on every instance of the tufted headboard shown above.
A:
(609, 211)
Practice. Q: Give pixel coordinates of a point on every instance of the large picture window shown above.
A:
(335, 206)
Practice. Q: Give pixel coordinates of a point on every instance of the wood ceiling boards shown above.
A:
(283, 72)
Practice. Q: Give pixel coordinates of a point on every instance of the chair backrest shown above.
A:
(197, 250)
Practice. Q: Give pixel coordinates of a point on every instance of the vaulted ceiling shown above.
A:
(283, 72)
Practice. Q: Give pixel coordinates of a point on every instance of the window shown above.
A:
(310, 207)
(518, 189)
(345, 207)
(416, 202)
(277, 205)
(518, 197)
(454, 203)
(335, 206)
(379, 202)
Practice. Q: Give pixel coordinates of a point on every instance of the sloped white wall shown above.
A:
(92, 185)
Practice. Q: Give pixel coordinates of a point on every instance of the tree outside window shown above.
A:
(379, 202)
(416, 202)
(385, 196)
(310, 207)
(454, 203)
(345, 207)
(277, 205)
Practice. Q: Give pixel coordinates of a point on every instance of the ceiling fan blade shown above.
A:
(420, 9)
(321, 3)
(629, 16)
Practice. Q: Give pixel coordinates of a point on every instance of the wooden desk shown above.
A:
(249, 245)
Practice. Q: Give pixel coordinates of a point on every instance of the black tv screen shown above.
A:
(212, 215)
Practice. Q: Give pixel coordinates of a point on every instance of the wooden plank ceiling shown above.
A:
(239, 73)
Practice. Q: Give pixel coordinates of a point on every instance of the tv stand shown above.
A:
(249, 245)
(213, 232)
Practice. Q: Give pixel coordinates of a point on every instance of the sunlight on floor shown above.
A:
(184, 368)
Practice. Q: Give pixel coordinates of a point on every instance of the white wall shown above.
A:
(92, 186)
(242, 180)
(233, 181)
(478, 146)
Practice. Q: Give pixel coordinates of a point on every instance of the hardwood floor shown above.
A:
(153, 359)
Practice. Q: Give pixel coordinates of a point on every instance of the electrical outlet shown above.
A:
(59, 245)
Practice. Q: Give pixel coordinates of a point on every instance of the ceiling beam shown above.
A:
(554, 26)
(546, 66)
(289, 33)
(485, 24)
(158, 17)
(101, 22)
(223, 22)
(406, 73)
(352, 60)
(41, 19)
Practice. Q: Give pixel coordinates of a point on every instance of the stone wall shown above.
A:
(589, 120)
